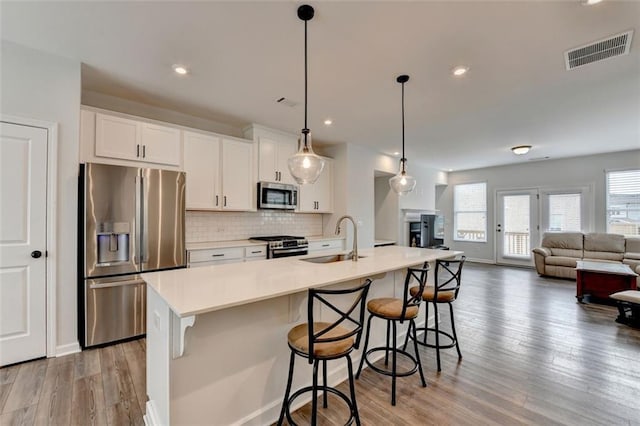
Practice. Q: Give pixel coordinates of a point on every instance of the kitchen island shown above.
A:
(216, 336)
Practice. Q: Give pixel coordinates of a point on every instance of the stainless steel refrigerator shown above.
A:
(131, 220)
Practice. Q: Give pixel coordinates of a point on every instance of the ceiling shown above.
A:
(243, 56)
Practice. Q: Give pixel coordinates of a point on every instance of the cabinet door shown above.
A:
(202, 165)
(287, 147)
(267, 160)
(117, 137)
(160, 144)
(237, 185)
(318, 197)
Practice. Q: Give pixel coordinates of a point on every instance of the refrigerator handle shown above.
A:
(144, 240)
(137, 258)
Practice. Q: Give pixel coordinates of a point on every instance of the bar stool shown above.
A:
(324, 341)
(395, 310)
(447, 280)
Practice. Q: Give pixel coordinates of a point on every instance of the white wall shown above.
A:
(354, 189)
(572, 172)
(386, 212)
(46, 87)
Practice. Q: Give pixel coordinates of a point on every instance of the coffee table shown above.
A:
(600, 279)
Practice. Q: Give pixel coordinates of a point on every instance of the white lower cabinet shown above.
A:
(321, 245)
(220, 256)
(219, 172)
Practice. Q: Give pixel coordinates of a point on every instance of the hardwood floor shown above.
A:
(532, 355)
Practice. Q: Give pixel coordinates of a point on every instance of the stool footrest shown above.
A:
(442, 333)
(389, 372)
(319, 389)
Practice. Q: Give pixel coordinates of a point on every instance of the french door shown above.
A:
(517, 226)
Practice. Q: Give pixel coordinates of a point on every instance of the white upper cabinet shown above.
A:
(219, 172)
(202, 165)
(237, 179)
(274, 150)
(127, 139)
(318, 197)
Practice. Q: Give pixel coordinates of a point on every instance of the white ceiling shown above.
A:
(245, 55)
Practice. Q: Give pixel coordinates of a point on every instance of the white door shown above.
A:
(516, 226)
(23, 195)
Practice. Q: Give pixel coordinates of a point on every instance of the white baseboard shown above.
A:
(151, 417)
(487, 261)
(68, 349)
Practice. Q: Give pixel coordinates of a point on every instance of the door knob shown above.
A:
(36, 254)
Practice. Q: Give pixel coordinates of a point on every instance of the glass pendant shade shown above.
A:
(305, 166)
(402, 183)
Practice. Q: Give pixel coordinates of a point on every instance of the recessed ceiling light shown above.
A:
(328, 122)
(590, 2)
(460, 71)
(521, 149)
(180, 69)
(396, 153)
(449, 170)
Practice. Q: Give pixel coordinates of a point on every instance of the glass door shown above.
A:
(516, 226)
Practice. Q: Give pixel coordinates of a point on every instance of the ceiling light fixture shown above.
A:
(396, 153)
(305, 166)
(179, 69)
(521, 149)
(328, 122)
(590, 2)
(460, 71)
(402, 183)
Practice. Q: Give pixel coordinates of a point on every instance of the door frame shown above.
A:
(52, 207)
(496, 213)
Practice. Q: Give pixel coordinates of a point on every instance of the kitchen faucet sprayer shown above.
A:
(354, 252)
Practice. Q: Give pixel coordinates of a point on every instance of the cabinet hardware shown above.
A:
(224, 200)
(256, 252)
(137, 150)
(326, 245)
(276, 175)
(217, 255)
(216, 201)
(144, 151)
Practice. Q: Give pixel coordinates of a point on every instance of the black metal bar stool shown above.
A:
(447, 280)
(395, 310)
(324, 341)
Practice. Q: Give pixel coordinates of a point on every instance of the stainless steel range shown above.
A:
(284, 246)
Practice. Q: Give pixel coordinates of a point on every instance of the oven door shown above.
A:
(286, 252)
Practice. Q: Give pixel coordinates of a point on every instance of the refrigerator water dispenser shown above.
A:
(113, 242)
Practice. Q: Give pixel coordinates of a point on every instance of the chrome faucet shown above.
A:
(354, 252)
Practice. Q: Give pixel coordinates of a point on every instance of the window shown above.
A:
(565, 213)
(623, 202)
(470, 212)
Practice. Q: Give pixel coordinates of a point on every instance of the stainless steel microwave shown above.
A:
(281, 196)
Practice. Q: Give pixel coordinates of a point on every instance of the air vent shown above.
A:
(286, 102)
(616, 45)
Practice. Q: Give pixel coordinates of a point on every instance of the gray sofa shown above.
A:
(560, 251)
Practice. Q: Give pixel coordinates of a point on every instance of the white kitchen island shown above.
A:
(217, 349)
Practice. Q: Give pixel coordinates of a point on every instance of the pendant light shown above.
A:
(305, 166)
(402, 183)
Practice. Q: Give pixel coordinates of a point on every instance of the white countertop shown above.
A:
(199, 290)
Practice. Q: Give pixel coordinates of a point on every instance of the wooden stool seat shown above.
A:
(298, 338)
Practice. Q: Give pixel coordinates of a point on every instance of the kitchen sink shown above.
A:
(331, 258)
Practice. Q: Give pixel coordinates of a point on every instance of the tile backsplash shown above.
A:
(225, 226)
